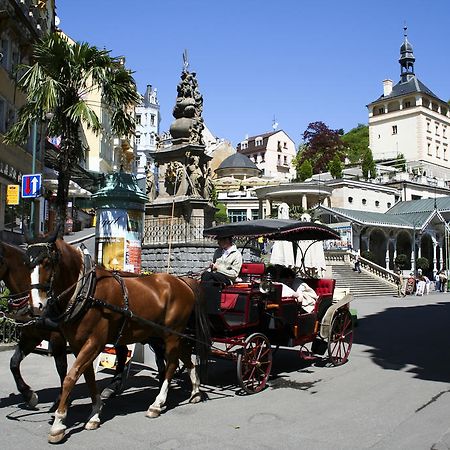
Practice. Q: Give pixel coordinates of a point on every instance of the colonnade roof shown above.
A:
(410, 220)
(424, 204)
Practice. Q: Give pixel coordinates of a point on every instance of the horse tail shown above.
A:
(202, 332)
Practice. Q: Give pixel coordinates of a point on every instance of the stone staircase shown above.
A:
(364, 284)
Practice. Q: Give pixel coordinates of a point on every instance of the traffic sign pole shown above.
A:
(33, 171)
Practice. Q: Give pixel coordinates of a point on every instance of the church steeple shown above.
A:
(406, 58)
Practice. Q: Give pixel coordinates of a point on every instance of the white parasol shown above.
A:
(282, 251)
(312, 254)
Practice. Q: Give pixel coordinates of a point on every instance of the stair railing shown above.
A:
(369, 266)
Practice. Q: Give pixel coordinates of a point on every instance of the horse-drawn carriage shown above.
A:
(252, 316)
(92, 307)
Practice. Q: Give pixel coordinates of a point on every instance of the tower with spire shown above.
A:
(411, 120)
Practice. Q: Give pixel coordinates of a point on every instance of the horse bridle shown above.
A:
(51, 252)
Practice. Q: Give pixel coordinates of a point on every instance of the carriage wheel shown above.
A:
(340, 338)
(254, 363)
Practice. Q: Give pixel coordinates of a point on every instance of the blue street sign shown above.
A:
(31, 185)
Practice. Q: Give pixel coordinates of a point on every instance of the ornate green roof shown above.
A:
(120, 190)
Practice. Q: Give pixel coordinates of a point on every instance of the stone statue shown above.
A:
(209, 186)
(195, 176)
(188, 124)
(150, 183)
(173, 177)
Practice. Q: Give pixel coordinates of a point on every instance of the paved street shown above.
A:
(392, 394)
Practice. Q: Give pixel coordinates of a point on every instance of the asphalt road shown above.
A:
(393, 393)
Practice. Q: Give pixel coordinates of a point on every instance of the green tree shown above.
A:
(321, 145)
(356, 142)
(368, 165)
(335, 167)
(57, 82)
(305, 171)
(221, 215)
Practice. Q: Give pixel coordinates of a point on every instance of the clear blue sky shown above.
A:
(298, 60)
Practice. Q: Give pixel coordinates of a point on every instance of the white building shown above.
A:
(272, 153)
(147, 117)
(409, 119)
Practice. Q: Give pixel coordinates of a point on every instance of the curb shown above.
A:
(81, 239)
(5, 347)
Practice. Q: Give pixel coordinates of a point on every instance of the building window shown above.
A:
(389, 204)
(350, 199)
(364, 201)
(4, 48)
(152, 140)
(394, 129)
(138, 139)
(2, 115)
(444, 149)
(279, 159)
(237, 215)
(377, 203)
(255, 214)
(244, 145)
(428, 126)
(380, 110)
(138, 119)
(152, 120)
(258, 141)
(407, 105)
(429, 149)
(437, 129)
(438, 154)
(444, 129)
(285, 160)
(285, 145)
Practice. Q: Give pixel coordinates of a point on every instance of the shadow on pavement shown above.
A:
(415, 339)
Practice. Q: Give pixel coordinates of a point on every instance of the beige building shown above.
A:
(272, 153)
(21, 24)
(408, 118)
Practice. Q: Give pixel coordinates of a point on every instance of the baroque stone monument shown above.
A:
(179, 191)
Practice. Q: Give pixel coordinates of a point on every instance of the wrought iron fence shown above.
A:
(9, 332)
(174, 230)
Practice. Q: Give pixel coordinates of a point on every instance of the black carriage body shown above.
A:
(248, 318)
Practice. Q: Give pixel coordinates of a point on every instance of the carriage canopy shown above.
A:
(275, 229)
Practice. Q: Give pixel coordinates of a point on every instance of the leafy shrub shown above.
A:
(422, 263)
(401, 261)
(367, 254)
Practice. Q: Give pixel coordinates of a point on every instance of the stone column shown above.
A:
(268, 208)
(435, 254)
(304, 202)
(261, 209)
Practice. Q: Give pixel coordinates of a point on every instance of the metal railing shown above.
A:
(369, 266)
(175, 230)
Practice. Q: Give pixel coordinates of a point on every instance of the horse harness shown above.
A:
(84, 299)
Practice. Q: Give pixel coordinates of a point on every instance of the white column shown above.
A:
(387, 257)
(304, 202)
(435, 255)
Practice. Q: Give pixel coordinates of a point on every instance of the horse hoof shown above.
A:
(196, 398)
(153, 412)
(93, 425)
(56, 438)
(107, 393)
(33, 401)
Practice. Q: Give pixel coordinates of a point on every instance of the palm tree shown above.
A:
(57, 84)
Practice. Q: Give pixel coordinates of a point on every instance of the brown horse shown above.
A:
(16, 276)
(120, 309)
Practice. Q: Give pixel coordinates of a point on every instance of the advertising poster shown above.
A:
(345, 231)
(119, 237)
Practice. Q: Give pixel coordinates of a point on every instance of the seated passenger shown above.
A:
(227, 263)
(295, 287)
